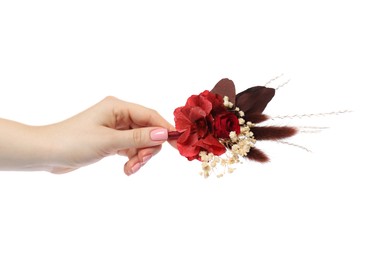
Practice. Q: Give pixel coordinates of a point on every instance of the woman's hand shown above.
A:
(110, 127)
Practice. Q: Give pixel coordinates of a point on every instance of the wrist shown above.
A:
(23, 147)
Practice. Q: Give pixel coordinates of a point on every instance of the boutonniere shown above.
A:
(220, 128)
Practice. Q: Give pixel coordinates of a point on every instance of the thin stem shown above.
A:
(173, 135)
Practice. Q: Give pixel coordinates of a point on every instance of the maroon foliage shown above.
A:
(255, 99)
(225, 87)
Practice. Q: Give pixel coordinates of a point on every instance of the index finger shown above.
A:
(144, 116)
(130, 115)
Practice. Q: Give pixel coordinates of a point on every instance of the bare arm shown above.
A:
(23, 147)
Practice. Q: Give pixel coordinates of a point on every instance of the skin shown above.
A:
(110, 127)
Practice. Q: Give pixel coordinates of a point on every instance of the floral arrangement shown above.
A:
(221, 122)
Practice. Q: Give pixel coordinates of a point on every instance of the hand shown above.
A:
(110, 127)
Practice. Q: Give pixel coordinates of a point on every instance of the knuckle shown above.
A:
(153, 115)
(109, 99)
(137, 137)
(153, 112)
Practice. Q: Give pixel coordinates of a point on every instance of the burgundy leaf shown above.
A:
(273, 132)
(255, 99)
(225, 87)
(257, 155)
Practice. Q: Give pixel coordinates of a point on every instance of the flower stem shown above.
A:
(173, 135)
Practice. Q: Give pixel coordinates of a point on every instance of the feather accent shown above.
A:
(256, 117)
(257, 155)
(273, 132)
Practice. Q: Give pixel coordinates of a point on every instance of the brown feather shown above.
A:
(273, 132)
(255, 99)
(257, 155)
(256, 117)
(225, 87)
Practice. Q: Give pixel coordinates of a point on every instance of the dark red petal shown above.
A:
(199, 101)
(273, 132)
(186, 145)
(190, 152)
(211, 145)
(196, 113)
(255, 99)
(183, 138)
(257, 155)
(181, 119)
(225, 87)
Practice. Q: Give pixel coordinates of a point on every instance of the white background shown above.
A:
(59, 57)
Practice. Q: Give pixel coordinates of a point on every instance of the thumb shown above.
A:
(140, 137)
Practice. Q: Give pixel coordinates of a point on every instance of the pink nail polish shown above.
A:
(159, 134)
(146, 159)
(135, 168)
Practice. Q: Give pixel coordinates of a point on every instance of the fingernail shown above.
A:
(160, 134)
(135, 168)
(146, 159)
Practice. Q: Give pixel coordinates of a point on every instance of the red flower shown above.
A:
(226, 123)
(196, 122)
(204, 123)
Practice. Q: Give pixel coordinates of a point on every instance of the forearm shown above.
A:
(23, 147)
